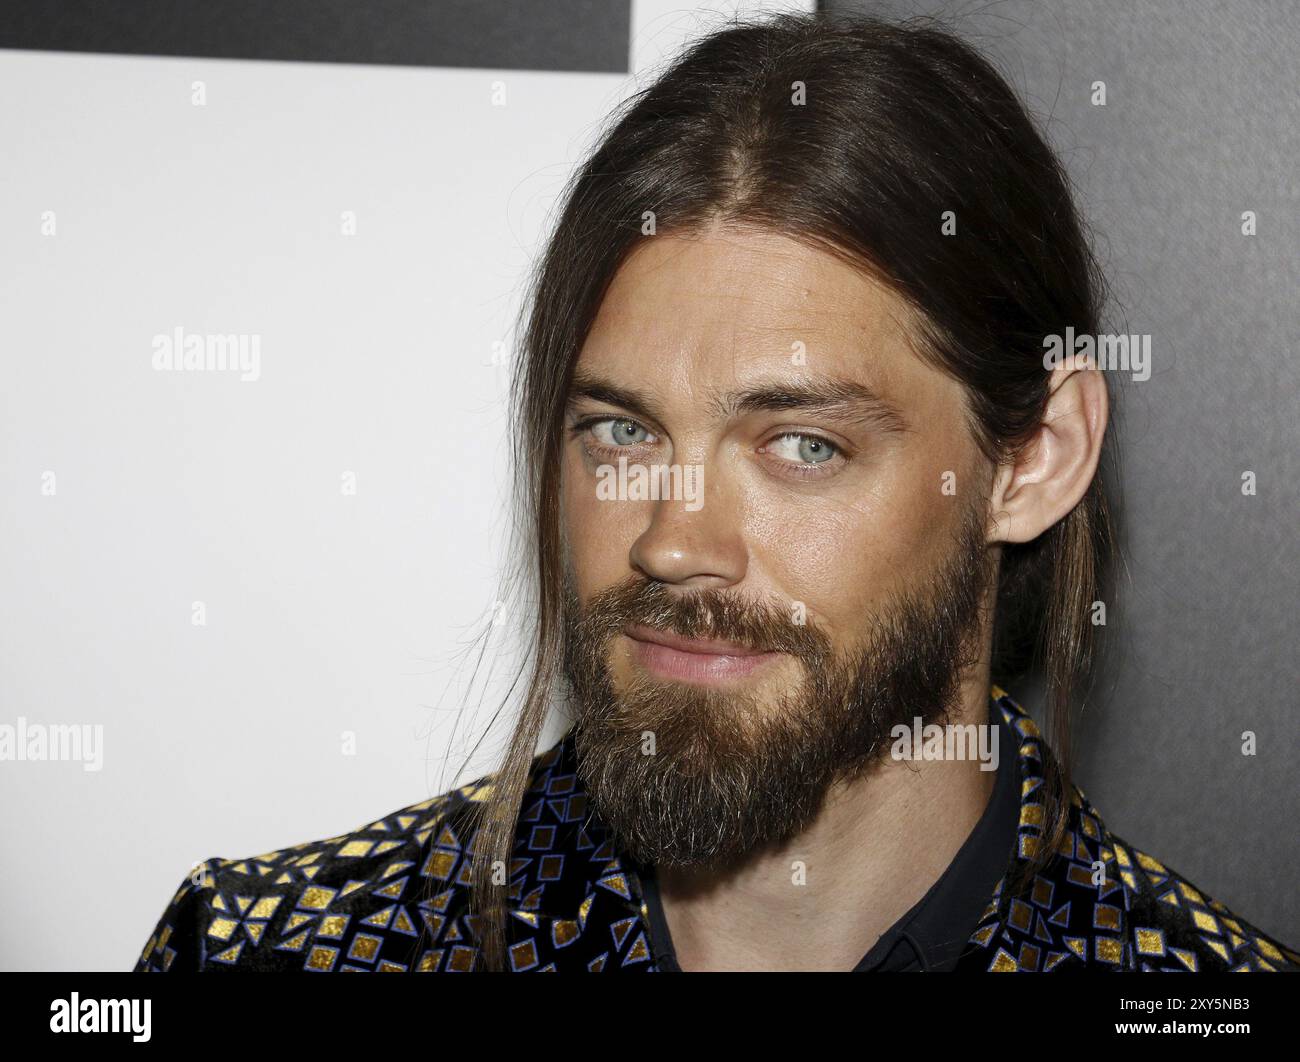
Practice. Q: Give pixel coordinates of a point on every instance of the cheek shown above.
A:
(843, 559)
(598, 534)
(832, 559)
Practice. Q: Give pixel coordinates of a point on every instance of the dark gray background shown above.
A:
(1202, 122)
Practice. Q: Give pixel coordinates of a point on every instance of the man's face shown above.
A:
(735, 650)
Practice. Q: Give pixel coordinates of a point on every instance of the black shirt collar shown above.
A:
(936, 930)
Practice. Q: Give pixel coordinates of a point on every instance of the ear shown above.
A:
(1039, 487)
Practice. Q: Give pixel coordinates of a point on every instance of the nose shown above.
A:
(701, 549)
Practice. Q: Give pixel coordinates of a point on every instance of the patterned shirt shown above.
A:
(393, 896)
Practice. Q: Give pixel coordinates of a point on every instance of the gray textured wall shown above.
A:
(1202, 122)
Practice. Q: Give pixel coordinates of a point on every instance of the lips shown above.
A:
(699, 661)
(703, 646)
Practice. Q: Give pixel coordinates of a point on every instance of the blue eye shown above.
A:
(618, 432)
(808, 449)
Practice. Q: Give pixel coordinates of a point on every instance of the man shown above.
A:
(798, 485)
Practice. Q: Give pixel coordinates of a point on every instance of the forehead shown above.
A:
(712, 310)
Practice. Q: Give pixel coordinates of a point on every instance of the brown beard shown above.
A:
(728, 773)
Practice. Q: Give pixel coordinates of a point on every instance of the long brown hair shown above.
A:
(855, 136)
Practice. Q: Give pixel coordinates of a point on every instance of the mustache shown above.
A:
(760, 626)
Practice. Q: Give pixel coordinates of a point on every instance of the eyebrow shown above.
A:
(834, 398)
(597, 389)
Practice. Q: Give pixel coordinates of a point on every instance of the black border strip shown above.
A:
(573, 35)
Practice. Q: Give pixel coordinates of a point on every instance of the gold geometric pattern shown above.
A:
(393, 896)
(1140, 916)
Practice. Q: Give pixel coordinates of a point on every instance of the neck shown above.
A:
(822, 899)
